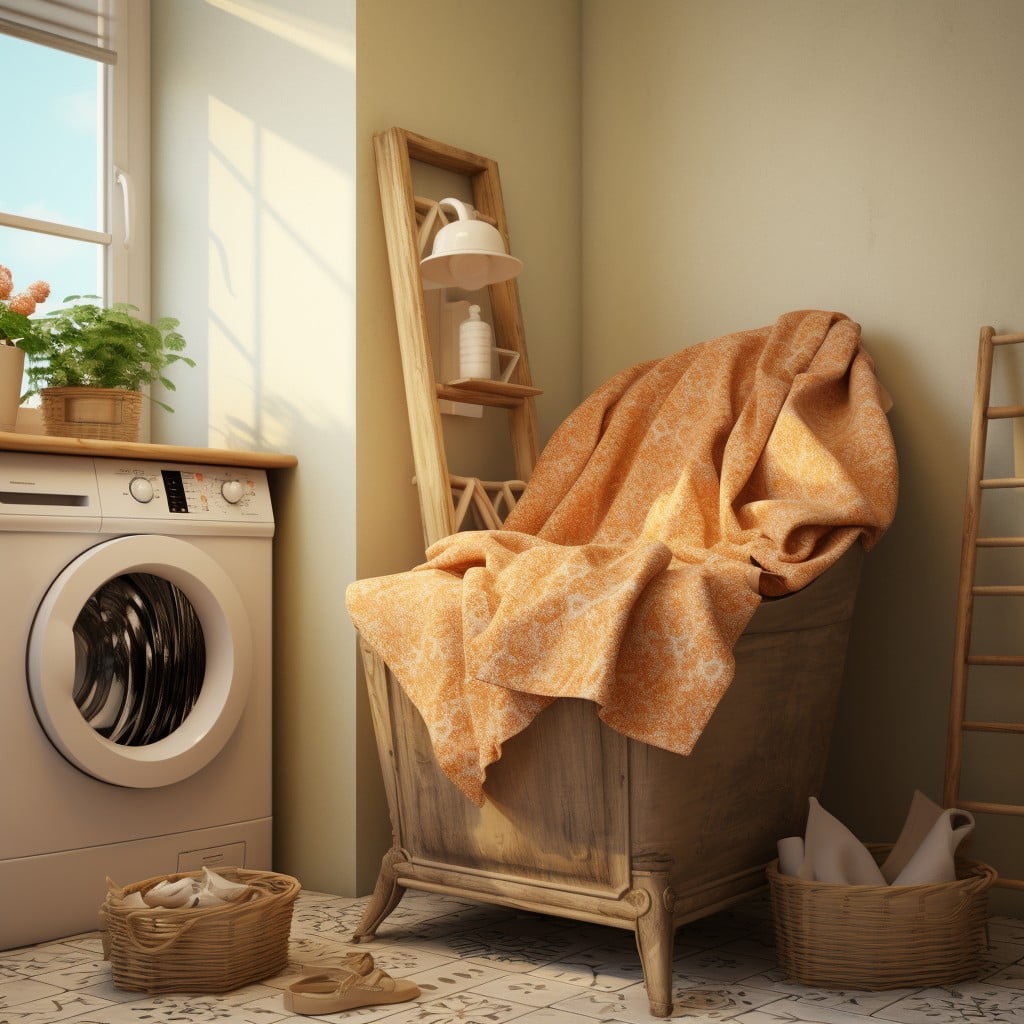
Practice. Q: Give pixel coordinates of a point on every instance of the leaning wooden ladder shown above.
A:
(963, 658)
(408, 222)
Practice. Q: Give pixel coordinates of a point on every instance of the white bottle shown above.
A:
(475, 346)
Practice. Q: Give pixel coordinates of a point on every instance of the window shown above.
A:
(74, 189)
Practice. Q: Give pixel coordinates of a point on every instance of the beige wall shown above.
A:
(254, 230)
(745, 158)
(262, 143)
(739, 159)
(501, 80)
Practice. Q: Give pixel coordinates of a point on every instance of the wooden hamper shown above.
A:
(581, 822)
(578, 820)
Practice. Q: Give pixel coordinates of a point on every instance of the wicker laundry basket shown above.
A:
(210, 949)
(880, 937)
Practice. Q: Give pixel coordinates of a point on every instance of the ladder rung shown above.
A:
(1007, 660)
(992, 726)
(992, 591)
(1000, 542)
(983, 808)
(1007, 339)
(1003, 481)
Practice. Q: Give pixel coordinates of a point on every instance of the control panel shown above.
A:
(197, 498)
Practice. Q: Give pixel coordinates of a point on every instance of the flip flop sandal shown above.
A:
(330, 964)
(324, 993)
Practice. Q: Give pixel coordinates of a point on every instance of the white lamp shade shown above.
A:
(468, 253)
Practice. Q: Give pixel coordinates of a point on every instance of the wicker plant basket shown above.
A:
(102, 414)
(880, 937)
(212, 949)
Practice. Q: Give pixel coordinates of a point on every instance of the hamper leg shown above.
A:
(654, 930)
(386, 896)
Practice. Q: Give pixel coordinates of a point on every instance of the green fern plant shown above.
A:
(89, 345)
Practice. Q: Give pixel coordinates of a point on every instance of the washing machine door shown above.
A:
(139, 661)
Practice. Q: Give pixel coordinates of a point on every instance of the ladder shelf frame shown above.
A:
(968, 590)
(407, 224)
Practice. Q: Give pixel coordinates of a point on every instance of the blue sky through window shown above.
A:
(53, 173)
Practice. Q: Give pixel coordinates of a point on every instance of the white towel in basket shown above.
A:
(924, 853)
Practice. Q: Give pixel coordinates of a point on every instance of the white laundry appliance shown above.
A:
(135, 680)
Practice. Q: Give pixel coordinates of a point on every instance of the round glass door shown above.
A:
(139, 661)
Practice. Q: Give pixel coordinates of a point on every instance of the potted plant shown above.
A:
(88, 363)
(15, 310)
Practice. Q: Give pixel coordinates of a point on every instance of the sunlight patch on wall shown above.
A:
(330, 42)
(281, 288)
(233, 384)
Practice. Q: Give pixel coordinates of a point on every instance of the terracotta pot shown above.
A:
(106, 414)
(12, 366)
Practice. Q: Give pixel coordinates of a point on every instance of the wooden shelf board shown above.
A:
(42, 443)
(487, 392)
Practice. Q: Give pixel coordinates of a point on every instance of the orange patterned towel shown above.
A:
(662, 509)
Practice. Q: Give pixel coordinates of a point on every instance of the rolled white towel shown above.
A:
(170, 894)
(224, 889)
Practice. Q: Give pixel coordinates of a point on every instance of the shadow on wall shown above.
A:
(889, 741)
(263, 271)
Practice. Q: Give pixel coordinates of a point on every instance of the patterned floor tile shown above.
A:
(852, 1001)
(972, 1001)
(483, 964)
(455, 976)
(526, 988)
(33, 960)
(600, 968)
(460, 1008)
(549, 1015)
(699, 1001)
(793, 1011)
(720, 965)
(629, 1004)
(401, 961)
(55, 1007)
(1011, 976)
(24, 991)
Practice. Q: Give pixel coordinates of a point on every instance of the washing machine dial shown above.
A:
(232, 491)
(141, 489)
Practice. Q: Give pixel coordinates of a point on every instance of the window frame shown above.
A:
(125, 191)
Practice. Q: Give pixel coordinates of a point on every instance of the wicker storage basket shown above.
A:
(211, 949)
(880, 937)
(97, 414)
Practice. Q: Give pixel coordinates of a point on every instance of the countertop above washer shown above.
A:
(42, 443)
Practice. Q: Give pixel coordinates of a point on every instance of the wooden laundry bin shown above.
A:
(581, 822)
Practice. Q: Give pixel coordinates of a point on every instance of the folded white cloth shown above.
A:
(924, 852)
(210, 891)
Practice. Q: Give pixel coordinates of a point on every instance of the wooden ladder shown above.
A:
(968, 590)
(409, 222)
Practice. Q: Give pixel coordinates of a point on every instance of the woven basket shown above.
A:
(99, 414)
(210, 949)
(880, 937)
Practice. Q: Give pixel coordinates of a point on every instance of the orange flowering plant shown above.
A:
(17, 307)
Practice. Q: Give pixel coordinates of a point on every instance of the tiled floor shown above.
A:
(485, 965)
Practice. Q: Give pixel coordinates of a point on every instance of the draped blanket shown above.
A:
(662, 510)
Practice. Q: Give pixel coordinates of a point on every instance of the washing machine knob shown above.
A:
(232, 491)
(141, 489)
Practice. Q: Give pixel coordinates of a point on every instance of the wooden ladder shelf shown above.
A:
(408, 224)
(969, 589)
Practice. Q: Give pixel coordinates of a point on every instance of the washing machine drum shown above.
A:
(139, 661)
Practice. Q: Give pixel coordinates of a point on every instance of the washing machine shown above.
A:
(135, 680)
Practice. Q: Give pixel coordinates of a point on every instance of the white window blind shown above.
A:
(84, 27)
